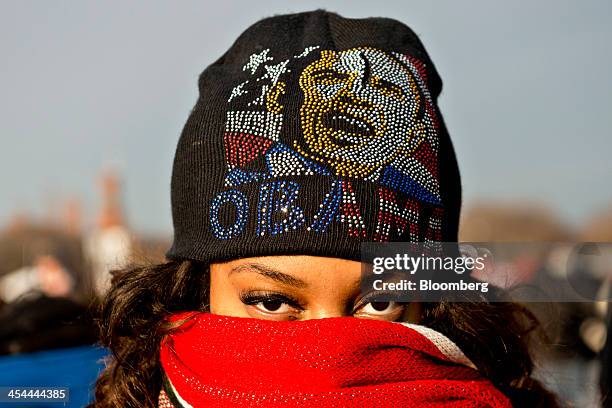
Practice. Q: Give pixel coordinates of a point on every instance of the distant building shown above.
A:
(109, 245)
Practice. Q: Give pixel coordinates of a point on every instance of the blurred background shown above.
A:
(94, 96)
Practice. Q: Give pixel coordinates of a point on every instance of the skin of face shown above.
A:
(297, 287)
(359, 111)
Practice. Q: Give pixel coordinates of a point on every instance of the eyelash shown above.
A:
(252, 298)
(372, 297)
(255, 297)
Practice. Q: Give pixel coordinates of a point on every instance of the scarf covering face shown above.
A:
(221, 361)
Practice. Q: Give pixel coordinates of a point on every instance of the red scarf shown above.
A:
(221, 361)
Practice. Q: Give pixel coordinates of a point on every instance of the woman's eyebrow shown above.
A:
(271, 273)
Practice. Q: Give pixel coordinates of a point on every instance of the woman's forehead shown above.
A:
(321, 277)
(305, 267)
(293, 262)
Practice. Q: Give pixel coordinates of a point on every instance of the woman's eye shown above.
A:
(380, 305)
(273, 306)
(379, 308)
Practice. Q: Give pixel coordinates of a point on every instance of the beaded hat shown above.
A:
(312, 134)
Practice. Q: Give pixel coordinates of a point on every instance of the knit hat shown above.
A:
(312, 134)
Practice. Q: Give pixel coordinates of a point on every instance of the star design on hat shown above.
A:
(256, 60)
(306, 51)
(275, 71)
(238, 90)
(261, 98)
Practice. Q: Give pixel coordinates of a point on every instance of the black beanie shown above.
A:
(312, 134)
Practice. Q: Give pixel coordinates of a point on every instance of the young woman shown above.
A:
(312, 134)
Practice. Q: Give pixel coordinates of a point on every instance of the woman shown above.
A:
(312, 134)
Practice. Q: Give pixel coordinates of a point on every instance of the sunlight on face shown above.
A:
(297, 288)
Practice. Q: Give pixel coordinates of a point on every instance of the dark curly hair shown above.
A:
(494, 335)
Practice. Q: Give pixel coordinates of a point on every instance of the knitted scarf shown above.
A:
(221, 361)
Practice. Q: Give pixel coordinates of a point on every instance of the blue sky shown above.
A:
(90, 85)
